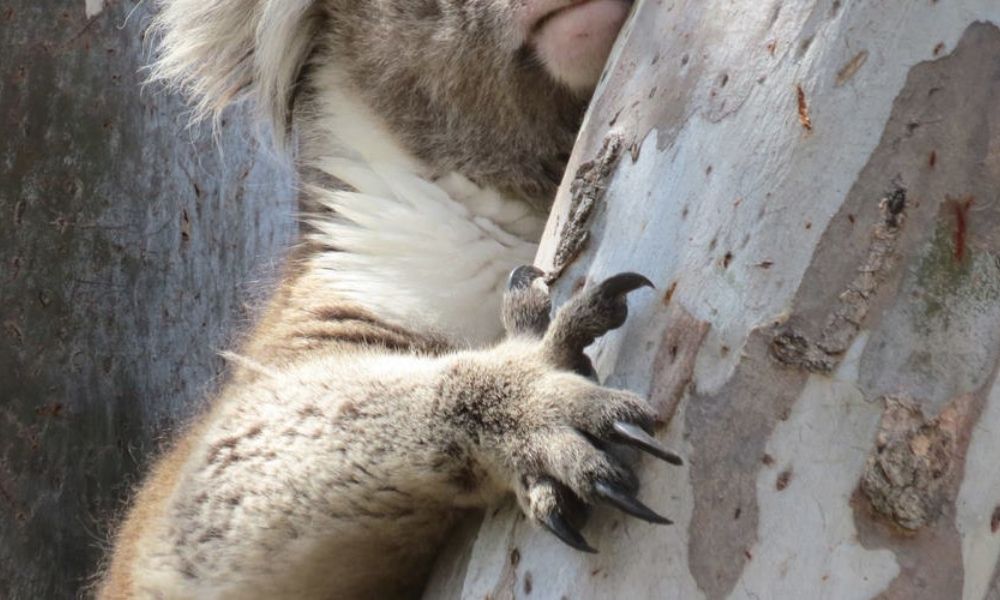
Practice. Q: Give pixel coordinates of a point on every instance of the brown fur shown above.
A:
(118, 583)
(390, 456)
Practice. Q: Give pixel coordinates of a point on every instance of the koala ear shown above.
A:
(218, 52)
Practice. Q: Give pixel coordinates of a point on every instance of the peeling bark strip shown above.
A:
(507, 582)
(794, 349)
(854, 303)
(960, 207)
(852, 67)
(804, 118)
(585, 190)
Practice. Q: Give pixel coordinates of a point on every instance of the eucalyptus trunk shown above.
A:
(813, 186)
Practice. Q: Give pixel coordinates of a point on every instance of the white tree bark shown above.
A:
(813, 186)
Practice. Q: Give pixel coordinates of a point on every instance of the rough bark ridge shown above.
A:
(812, 187)
(128, 245)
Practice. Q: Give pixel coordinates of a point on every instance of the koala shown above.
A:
(407, 369)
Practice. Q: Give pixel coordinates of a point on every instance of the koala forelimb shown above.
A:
(373, 454)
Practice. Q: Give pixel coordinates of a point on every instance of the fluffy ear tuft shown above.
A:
(218, 52)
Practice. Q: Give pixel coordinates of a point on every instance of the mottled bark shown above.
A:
(813, 188)
(130, 249)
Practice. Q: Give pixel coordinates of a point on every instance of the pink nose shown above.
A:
(573, 37)
(531, 13)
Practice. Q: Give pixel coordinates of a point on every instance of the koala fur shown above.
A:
(373, 403)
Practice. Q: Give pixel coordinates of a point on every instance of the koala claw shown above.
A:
(566, 469)
(619, 498)
(526, 308)
(589, 315)
(557, 524)
(633, 435)
(623, 283)
(523, 277)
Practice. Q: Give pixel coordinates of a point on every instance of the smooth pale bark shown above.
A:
(130, 248)
(813, 187)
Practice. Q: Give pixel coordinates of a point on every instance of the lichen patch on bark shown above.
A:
(906, 498)
(905, 477)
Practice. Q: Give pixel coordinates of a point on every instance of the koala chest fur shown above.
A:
(377, 400)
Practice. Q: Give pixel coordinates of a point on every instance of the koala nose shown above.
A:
(573, 37)
(531, 13)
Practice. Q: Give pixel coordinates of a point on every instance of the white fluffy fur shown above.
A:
(416, 256)
(430, 255)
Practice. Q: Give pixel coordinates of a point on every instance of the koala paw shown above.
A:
(567, 425)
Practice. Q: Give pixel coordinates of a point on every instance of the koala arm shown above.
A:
(341, 476)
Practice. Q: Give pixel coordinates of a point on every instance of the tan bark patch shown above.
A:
(729, 431)
(673, 366)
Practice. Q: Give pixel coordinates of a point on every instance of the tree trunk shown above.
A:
(128, 245)
(813, 186)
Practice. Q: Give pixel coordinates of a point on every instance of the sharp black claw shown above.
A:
(624, 283)
(627, 503)
(555, 523)
(523, 277)
(633, 435)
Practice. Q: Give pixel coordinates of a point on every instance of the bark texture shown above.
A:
(813, 188)
(130, 249)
